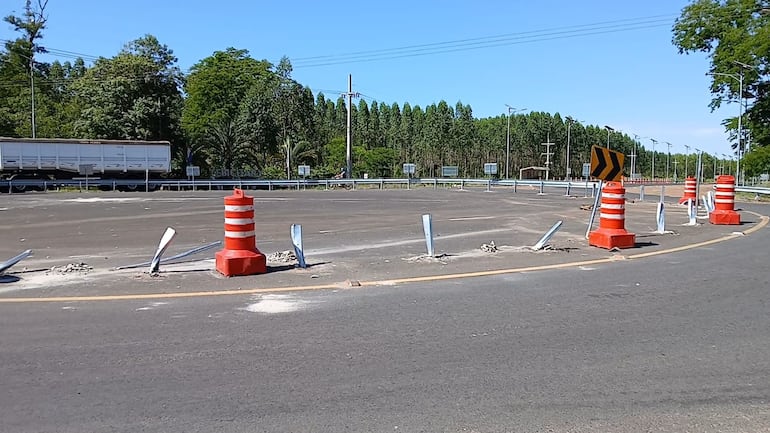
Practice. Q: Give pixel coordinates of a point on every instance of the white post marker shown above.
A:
(12, 261)
(427, 228)
(593, 209)
(168, 236)
(661, 214)
(547, 236)
(296, 240)
(691, 212)
(641, 192)
(707, 207)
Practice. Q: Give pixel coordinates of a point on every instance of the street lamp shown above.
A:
(568, 171)
(654, 141)
(686, 154)
(609, 129)
(633, 158)
(511, 110)
(668, 158)
(738, 77)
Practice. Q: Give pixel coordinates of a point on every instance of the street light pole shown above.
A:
(668, 158)
(508, 143)
(654, 141)
(609, 129)
(686, 154)
(568, 171)
(511, 110)
(738, 77)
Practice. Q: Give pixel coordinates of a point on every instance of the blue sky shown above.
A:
(630, 78)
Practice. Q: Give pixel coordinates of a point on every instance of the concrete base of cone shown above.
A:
(725, 217)
(611, 238)
(240, 262)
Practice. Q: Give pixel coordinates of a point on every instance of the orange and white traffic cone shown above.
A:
(240, 255)
(612, 220)
(689, 190)
(724, 202)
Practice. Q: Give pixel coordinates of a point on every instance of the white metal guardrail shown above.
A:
(198, 184)
(382, 183)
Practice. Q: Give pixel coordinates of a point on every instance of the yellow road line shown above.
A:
(135, 297)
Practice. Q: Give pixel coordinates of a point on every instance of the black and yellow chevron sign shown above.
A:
(606, 164)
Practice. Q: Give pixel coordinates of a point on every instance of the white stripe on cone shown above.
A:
(239, 221)
(613, 206)
(239, 235)
(234, 208)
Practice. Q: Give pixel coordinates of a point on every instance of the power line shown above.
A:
(486, 42)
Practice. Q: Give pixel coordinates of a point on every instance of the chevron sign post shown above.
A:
(606, 164)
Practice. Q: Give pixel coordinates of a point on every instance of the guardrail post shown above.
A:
(541, 189)
(489, 185)
(514, 186)
(567, 193)
(269, 185)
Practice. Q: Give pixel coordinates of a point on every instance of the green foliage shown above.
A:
(757, 161)
(134, 95)
(736, 36)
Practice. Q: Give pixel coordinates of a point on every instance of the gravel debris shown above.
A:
(71, 268)
(489, 248)
(283, 257)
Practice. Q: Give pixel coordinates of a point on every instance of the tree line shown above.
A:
(232, 114)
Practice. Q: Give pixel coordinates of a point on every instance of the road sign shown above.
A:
(86, 169)
(606, 164)
(193, 171)
(303, 170)
(449, 171)
(490, 168)
(586, 169)
(409, 168)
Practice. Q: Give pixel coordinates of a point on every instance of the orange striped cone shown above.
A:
(240, 255)
(724, 202)
(612, 220)
(689, 190)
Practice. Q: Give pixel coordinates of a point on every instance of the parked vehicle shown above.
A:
(58, 158)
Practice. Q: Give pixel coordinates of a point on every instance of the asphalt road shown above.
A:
(676, 342)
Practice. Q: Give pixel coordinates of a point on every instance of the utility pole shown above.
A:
(32, 86)
(547, 154)
(349, 141)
